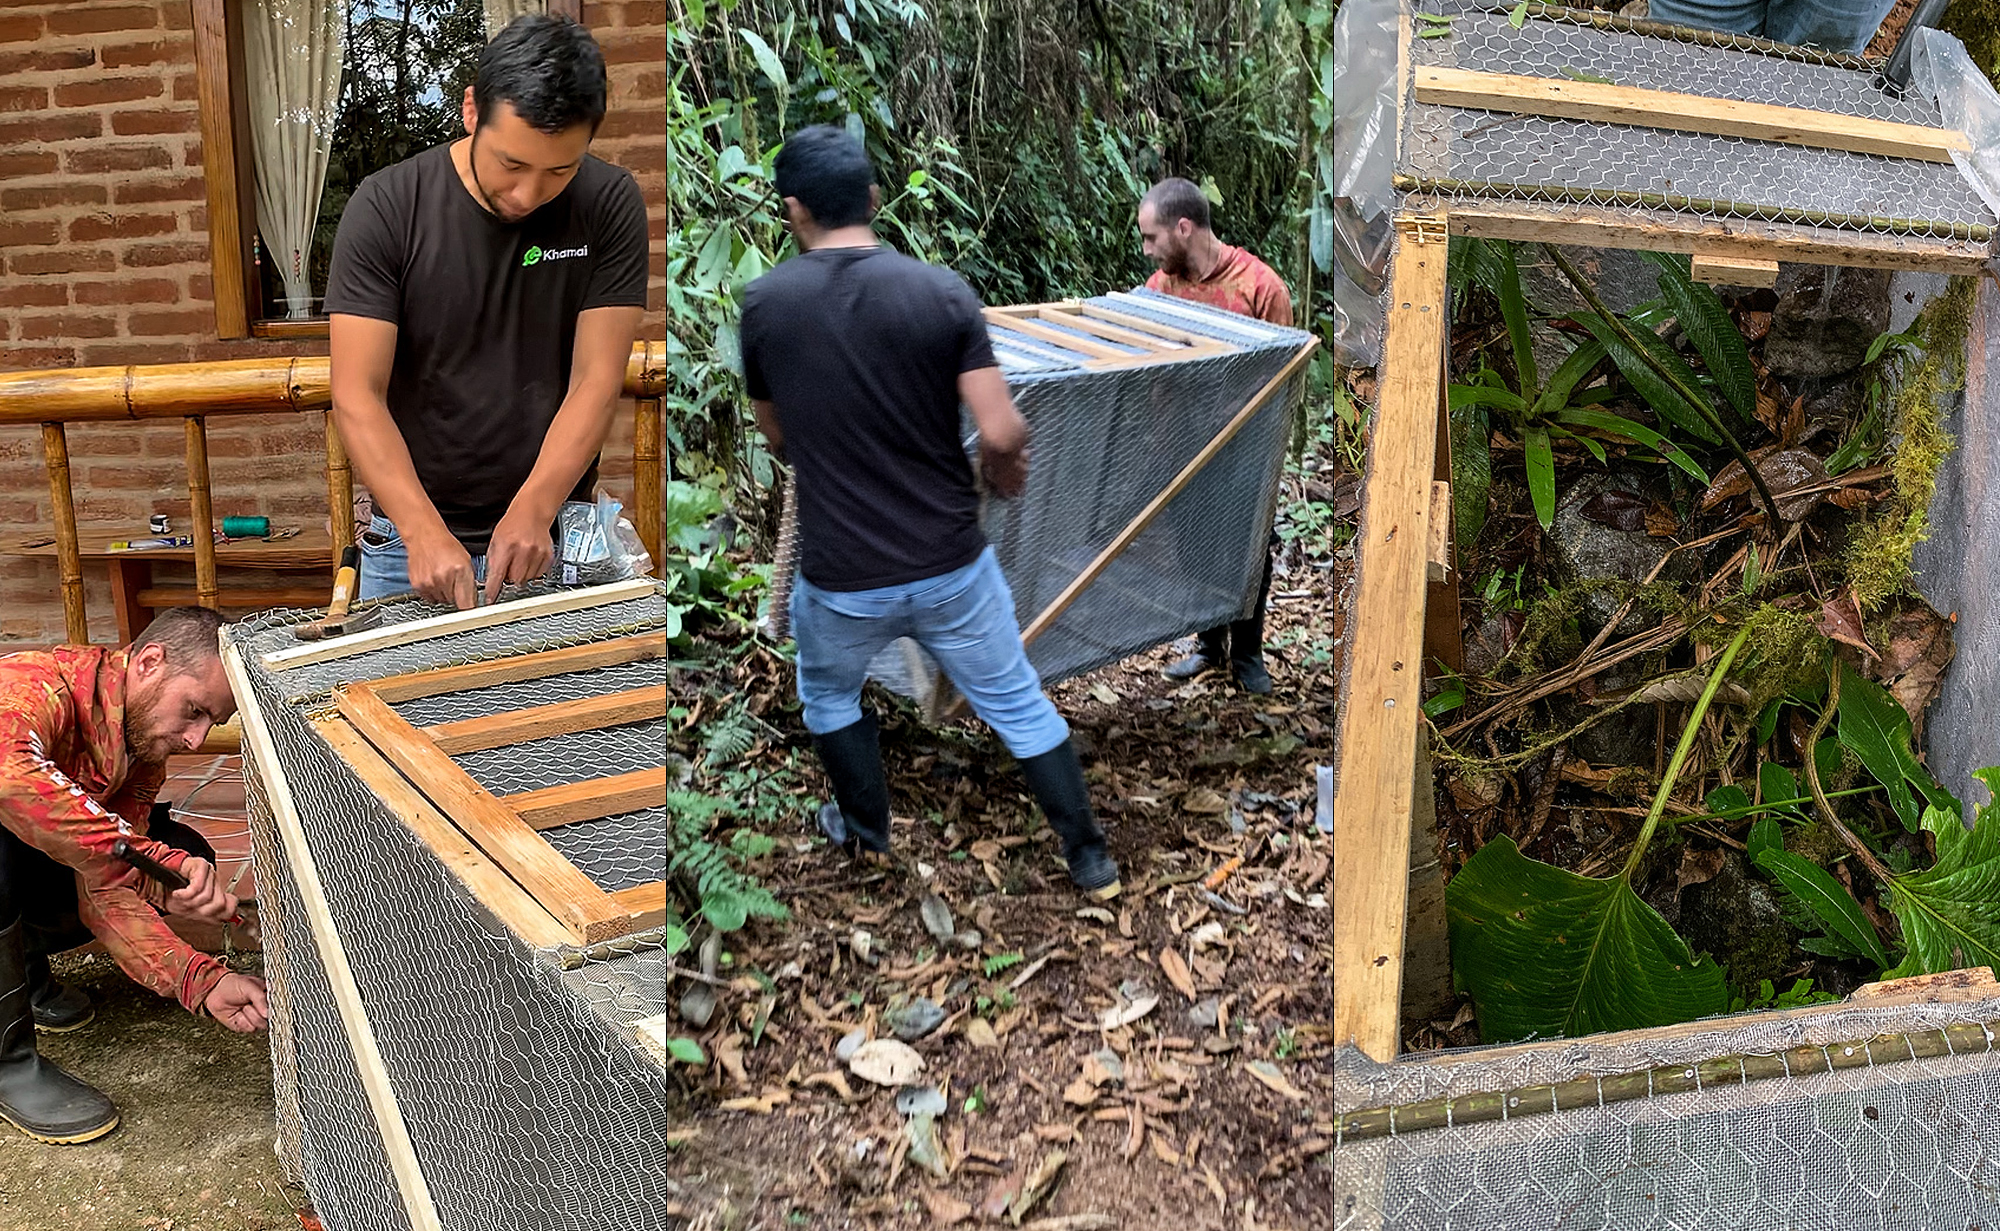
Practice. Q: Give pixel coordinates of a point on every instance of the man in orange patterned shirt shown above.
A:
(1195, 265)
(85, 734)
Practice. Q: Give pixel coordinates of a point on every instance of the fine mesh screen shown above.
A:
(1465, 151)
(1105, 442)
(1877, 1117)
(530, 1080)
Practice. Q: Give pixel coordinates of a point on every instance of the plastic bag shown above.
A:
(1941, 71)
(1358, 226)
(595, 546)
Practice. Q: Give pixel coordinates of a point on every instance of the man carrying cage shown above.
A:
(857, 359)
(1193, 264)
(85, 734)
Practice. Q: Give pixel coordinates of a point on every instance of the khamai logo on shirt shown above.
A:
(538, 254)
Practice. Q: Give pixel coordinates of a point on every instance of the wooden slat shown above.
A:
(1055, 337)
(541, 721)
(375, 1085)
(482, 878)
(1112, 333)
(1660, 231)
(1618, 104)
(1140, 324)
(69, 556)
(591, 799)
(223, 108)
(563, 891)
(1719, 269)
(399, 688)
(647, 904)
(460, 621)
(203, 514)
(1375, 744)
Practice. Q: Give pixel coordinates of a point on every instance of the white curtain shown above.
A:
(500, 12)
(292, 51)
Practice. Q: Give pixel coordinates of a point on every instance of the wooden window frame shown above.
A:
(232, 203)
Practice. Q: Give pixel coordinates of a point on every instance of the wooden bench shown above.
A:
(135, 599)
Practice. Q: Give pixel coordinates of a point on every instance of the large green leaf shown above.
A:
(1541, 463)
(1659, 394)
(1543, 952)
(1462, 397)
(1829, 901)
(1564, 381)
(1619, 425)
(1514, 308)
(1950, 911)
(1471, 473)
(1875, 727)
(1708, 325)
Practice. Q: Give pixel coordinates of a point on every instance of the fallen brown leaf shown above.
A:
(1203, 802)
(1267, 1073)
(1036, 1186)
(1840, 620)
(979, 1033)
(1699, 866)
(1177, 974)
(1080, 1092)
(946, 1210)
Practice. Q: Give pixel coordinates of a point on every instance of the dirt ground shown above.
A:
(1176, 1121)
(193, 1150)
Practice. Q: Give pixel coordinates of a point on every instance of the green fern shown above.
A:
(728, 897)
(1001, 961)
(731, 737)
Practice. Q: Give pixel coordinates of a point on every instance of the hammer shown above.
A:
(158, 871)
(337, 622)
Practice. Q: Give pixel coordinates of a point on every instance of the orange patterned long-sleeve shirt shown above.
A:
(1239, 283)
(70, 789)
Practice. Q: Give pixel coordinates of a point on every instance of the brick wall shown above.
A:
(104, 259)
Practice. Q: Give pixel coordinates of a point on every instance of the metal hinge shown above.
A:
(1424, 228)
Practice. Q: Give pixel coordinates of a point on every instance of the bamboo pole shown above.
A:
(201, 507)
(69, 556)
(223, 387)
(647, 512)
(339, 491)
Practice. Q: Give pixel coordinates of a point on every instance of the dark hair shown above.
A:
(1174, 199)
(828, 172)
(188, 635)
(548, 68)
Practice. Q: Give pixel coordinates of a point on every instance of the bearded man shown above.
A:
(85, 733)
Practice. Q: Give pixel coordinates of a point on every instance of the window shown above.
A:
(300, 101)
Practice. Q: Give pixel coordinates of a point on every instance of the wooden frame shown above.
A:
(1694, 113)
(1086, 336)
(1402, 546)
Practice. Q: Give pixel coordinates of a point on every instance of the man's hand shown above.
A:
(204, 897)
(519, 551)
(441, 569)
(239, 1003)
(1006, 473)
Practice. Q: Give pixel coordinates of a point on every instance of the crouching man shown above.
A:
(85, 733)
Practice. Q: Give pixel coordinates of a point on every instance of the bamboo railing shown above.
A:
(196, 392)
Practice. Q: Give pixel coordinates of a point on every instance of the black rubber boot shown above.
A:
(1056, 779)
(35, 1096)
(858, 820)
(58, 1007)
(1208, 656)
(1246, 637)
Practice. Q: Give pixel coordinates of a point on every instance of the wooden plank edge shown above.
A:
(517, 668)
(590, 800)
(411, 1186)
(542, 721)
(392, 635)
(485, 880)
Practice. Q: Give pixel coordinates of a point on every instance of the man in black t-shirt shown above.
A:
(856, 359)
(483, 300)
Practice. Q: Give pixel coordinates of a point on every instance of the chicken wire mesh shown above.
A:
(531, 1080)
(1842, 1118)
(1105, 442)
(1459, 151)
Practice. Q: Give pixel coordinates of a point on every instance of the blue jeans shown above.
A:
(1836, 25)
(385, 562)
(965, 618)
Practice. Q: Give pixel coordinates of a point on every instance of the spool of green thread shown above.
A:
(246, 527)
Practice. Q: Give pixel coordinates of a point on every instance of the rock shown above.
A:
(697, 1005)
(925, 1150)
(886, 1062)
(937, 917)
(916, 1100)
(1825, 319)
(1622, 279)
(1490, 642)
(1735, 919)
(850, 1043)
(1589, 550)
(914, 1019)
(1203, 1015)
(968, 940)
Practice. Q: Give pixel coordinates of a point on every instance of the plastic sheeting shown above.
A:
(1364, 157)
(1942, 71)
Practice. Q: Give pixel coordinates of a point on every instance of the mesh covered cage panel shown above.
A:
(531, 1096)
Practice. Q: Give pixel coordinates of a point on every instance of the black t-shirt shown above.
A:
(485, 314)
(859, 350)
